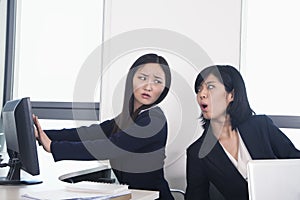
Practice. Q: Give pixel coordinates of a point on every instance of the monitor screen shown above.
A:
(20, 141)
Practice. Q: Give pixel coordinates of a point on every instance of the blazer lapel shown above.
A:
(219, 159)
(252, 142)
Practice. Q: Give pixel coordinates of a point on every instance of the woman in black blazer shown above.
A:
(134, 141)
(232, 136)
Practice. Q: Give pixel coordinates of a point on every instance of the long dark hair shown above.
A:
(128, 115)
(239, 109)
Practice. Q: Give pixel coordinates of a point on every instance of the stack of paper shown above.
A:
(83, 190)
(103, 188)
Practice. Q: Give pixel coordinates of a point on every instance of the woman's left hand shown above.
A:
(41, 136)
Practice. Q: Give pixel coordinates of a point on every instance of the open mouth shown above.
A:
(203, 106)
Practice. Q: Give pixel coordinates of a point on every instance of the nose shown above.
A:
(202, 93)
(148, 86)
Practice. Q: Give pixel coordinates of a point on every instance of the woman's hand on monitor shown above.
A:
(41, 136)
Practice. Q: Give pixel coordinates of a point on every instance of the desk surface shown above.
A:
(15, 192)
(49, 173)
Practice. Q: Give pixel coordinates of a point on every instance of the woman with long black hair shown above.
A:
(134, 141)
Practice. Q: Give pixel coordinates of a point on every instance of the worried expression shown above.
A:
(148, 84)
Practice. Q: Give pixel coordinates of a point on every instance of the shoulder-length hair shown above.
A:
(239, 109)
(128, 115)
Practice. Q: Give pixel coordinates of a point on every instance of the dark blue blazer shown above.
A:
(263, 140)
(136, 154)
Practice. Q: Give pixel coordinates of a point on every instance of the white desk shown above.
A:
(49, 173)
(15, 192)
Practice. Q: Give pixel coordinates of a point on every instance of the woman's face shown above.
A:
(213, 98)
(148, 84)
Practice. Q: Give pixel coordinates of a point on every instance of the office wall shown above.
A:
(201, 32)
(270, 54)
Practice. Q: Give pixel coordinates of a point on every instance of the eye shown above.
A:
(199, 88)
(143, 78)
(210, 86)
(156, 81)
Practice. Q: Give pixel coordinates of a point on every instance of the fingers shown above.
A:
(37, 125)
(36, 133)
(36, 122)
(38, 138)
(40, 135)
(34, 117)
(38, 129)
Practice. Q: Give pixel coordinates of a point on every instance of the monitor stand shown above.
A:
(5, 181)
(14, 174)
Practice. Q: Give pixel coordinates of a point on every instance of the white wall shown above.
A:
(190, 35)
(270, 54)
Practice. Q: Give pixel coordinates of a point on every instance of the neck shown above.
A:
(222, 128)
(136, 106)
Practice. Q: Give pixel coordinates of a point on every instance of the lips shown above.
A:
(203, 106)
(146, 96)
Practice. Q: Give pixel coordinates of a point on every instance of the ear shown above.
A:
(230, 96)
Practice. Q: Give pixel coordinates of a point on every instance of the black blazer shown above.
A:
(136, 154)
(263, 140)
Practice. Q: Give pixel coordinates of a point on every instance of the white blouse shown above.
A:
(243, 157)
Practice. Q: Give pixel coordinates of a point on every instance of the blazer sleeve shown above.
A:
(93, 132)
(281, 144)
(147, 134)
(197, 181)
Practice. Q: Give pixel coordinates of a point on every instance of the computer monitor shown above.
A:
(20, 141)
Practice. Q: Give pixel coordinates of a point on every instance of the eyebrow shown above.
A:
(157, 77)
(210, 82)
(206, 83)
(143, 74)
